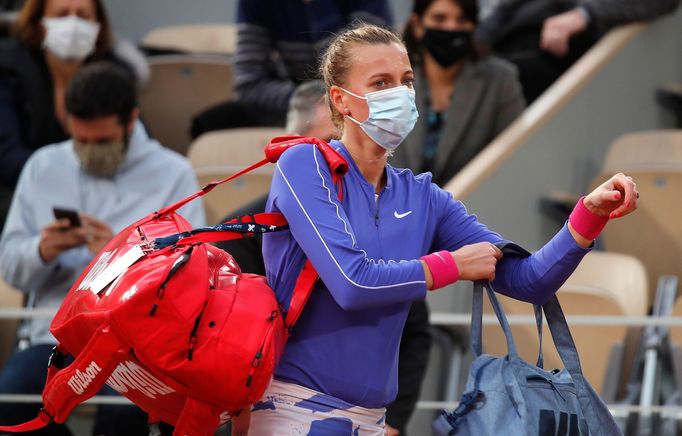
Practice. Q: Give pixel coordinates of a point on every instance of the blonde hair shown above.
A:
(336, 60)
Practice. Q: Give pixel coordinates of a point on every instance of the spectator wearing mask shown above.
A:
(112, 173)
(278, 51)
(52, 40)
(464, 101)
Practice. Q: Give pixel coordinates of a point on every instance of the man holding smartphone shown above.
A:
(71, 229)
(71, 199)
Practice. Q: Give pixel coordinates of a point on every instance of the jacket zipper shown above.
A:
(376, 210)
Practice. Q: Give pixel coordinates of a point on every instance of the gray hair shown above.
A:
(302, 106)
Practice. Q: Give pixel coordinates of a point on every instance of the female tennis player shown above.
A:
(394, 236)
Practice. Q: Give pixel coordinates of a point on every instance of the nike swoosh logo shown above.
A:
(401, 215)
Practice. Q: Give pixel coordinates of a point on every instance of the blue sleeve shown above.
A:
(536, 278)
(13, 153)
(456, 227)
(302, 191)
(533, 279)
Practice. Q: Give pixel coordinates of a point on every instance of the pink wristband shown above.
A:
(443, 268)
(587, 224)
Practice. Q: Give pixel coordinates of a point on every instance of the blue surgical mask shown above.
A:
(392, 115)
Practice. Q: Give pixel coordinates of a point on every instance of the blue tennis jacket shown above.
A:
(367, 252)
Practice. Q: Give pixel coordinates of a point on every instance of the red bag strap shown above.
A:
(197, 419)
(83, 378)
(302, 291)
(308, 277)
(42, 420)
(277, 146)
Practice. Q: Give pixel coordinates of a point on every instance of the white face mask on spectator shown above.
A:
(101, 160)
(70, 38)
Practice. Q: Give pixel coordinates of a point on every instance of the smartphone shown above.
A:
(70, 214)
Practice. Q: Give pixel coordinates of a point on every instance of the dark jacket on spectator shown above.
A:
(27, 116)
(486, 99)
(603, 14)
(609, 13)
(298, 32)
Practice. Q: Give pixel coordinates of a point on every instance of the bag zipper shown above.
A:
(179, 263)
(193, 334)
(255, 362)
(538, 377)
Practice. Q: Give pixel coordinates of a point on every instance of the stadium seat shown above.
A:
(654, 233)
(9, 298)
(219, 154)
(220, 39)
(180, 87)
(604, 284)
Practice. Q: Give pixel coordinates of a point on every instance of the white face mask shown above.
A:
(392, 115)
(70, 38)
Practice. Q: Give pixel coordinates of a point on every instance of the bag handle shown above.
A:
(197, 419)
(537, 310)
(476, 322)
(592, 407)
(508, 249)
(477, 319)
(84, 377)
(273, 151)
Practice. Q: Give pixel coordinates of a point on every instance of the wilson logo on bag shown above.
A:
(80, 380)
(171, 322)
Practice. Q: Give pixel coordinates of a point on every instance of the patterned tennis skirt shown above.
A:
(290, 409)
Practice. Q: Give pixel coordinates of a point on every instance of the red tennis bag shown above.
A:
(170, 321)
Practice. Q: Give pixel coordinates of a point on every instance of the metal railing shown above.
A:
(448, 319)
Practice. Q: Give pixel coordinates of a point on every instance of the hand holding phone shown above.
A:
(55, 238)
(70, 214)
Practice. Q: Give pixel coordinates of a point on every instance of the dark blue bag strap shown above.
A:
(596, 413)
(508, 249)
(477, 319)
(476, 322)
(538, 322)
